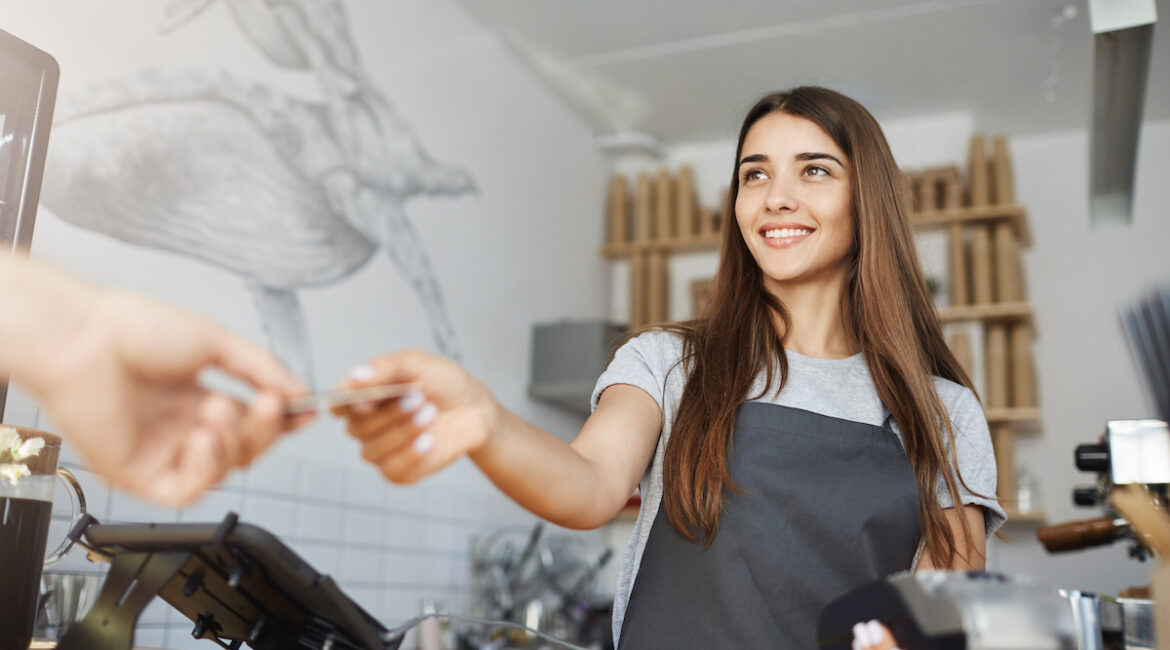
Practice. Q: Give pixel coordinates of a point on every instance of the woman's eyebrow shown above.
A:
(756, 157)
(803, 157)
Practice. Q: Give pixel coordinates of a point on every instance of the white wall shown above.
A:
(521, 251)
(1077, 279)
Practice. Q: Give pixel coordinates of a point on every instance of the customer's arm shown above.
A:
(117, 374)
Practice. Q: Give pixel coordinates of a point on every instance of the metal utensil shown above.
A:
(332, 399)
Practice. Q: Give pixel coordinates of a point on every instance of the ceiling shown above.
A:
(687, 70)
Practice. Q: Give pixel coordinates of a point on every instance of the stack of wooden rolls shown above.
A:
(661, 215)
(984, 232)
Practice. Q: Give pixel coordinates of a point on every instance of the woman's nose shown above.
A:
(780, 196)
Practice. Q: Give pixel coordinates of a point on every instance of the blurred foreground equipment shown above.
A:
(1131, 452)
(941, 610)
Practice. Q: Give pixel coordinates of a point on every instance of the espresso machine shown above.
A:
(1130, 452)
(937, 610)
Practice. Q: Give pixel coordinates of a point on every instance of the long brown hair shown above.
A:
(886, 309)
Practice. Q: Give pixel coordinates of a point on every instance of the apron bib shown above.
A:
(827, 505)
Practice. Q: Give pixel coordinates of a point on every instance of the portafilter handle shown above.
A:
(1075, 535)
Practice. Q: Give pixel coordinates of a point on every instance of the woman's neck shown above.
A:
(816, 324)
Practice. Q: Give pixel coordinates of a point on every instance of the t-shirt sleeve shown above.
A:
(975, 459)
(639, 362)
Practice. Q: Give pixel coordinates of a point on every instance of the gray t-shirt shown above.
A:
(839, 388)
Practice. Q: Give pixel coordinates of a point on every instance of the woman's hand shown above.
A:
(450, 414)
(872, 635)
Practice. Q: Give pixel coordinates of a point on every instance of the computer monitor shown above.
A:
(28, 90)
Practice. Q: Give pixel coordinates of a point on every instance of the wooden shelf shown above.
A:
(1032, 516)
(1025, 418)
(1017, 214)
(1010, 311)
(625, 249)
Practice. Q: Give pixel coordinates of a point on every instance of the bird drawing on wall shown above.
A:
(285, 192)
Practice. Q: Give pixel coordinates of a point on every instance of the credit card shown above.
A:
(327, 400)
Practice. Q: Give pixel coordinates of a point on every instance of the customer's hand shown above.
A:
(450, 414)
(124, 392)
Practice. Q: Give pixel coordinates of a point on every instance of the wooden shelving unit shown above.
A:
(985, 230)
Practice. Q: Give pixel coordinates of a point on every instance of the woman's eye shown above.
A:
(815, 170)
(753, 175)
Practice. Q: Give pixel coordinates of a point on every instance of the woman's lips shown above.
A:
(785, 235)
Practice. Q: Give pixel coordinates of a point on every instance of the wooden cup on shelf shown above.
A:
(981, 269)
(1008, 280)
(977, 173)
(960, 345)
(981, 265)
(997, 366)
(638, 286)
(952, 189)
(664, 229)
(928, 191)
(1003, 191)
(657, 287)
(618, 212)
(643, 208)
(1023, 373)
(1003, 445)
(960, 281)
(685, 204)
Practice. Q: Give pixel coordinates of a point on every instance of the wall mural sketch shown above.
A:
(282, 191)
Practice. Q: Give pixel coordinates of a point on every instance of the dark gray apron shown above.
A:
(828, 505)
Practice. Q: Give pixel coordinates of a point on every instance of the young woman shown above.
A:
(799, 439)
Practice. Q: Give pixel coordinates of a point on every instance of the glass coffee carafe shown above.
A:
(28, 475)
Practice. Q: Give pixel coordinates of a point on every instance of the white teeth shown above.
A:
(780, 233)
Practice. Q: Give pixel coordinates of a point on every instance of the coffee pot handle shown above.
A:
(77, 505)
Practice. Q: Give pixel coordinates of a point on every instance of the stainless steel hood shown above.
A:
(1123, 38)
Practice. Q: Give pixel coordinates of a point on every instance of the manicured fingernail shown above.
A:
(423, 443)
(875, 632)
(361, 372)
(860, 634)
(411, 401)
(424, 415)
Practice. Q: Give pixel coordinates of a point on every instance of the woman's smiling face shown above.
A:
(794, 205)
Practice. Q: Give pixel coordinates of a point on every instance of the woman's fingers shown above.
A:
(390, 429)
(872, 635)
(417, 457)
(411, 410)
